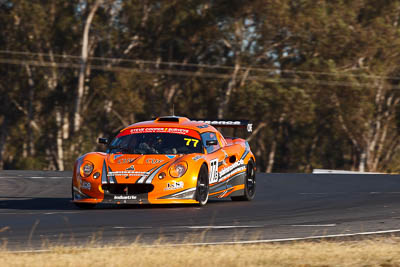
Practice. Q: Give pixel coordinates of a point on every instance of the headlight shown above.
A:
(86, 169)
(177, 170)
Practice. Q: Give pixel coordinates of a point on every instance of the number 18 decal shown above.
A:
(214, 171)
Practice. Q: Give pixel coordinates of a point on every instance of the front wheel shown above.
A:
(202, 186)
(249, 184)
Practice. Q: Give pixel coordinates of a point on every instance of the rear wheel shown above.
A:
(249, 184)
(202, 186)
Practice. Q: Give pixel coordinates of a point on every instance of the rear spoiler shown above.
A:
(228, 123)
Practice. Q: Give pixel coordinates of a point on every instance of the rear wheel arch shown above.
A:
(249, 190)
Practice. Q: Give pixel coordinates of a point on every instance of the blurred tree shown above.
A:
(318, 78)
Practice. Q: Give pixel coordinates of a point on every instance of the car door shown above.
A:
(216, 156)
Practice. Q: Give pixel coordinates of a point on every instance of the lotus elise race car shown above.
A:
(168, 160)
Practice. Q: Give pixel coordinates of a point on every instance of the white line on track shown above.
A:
(281, 239)
(384, 193)
(233, 242)
(40, 213)
(314, 225)
(336, 193)
(133, 227)
(316, 193)
(221, 226)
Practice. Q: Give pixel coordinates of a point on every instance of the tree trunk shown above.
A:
(271, 156)
(31, 147)
(227, 95)
(77, 120)
(3, 136)
(59, 140)
(363, 159)
(277, 132)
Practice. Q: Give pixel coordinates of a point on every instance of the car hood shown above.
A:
(130, 168)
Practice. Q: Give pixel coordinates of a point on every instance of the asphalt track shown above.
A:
(35, 211)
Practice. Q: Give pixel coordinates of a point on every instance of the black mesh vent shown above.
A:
(168, 119)
(127, 189)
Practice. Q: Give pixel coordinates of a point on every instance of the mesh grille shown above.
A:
(125, 189)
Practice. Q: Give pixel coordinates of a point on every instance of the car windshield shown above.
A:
(156, 143)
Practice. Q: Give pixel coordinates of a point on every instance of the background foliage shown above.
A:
(319, 79)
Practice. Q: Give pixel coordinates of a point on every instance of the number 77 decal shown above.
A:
(188, 140)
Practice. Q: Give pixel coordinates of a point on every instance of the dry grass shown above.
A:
(377, 252)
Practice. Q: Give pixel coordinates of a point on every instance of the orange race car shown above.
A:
(168, 160)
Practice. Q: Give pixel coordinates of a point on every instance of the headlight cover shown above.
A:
(178, 169)
(86, 168)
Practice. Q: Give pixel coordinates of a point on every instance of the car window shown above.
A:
(210, 136)
(156, 143)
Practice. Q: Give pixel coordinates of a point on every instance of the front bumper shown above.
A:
(134, 194)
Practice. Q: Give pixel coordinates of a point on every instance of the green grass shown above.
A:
(374, 252)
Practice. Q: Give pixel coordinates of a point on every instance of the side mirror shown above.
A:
(211, 142)
(103, 140)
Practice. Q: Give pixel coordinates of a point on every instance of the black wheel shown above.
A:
(202, 186)
(249, 184)
(81, 205)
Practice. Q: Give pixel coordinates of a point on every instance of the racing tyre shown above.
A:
(202, 186)
(81, 205)
(249, 184)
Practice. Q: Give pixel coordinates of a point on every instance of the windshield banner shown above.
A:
(171, 130)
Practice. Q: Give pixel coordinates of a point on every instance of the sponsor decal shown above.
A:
(131, 168)
(233, 166)
(123, 197)
(126, 161)
(159, 130)
(127, 173)
(174, 185)
(86, 185)
(154, 161)
(216, 175)
(228, 123)
(165, 130)
(170, 156)
(196, 158)
(178, 131)
(221, 122)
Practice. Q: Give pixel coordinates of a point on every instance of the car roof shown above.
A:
(174, 121)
